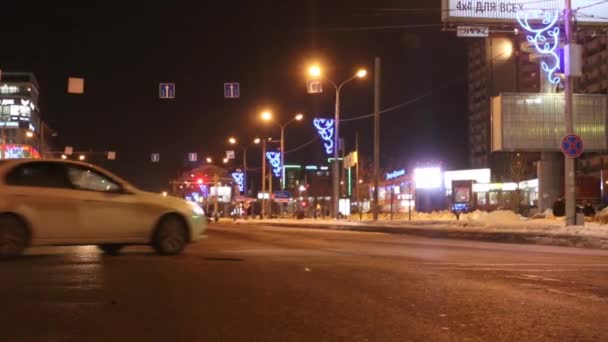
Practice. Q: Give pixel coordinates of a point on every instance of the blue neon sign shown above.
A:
(274, 158)
(545, 39)
(395, 174)
(325, 127)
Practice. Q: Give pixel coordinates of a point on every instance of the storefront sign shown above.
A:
(395, 174)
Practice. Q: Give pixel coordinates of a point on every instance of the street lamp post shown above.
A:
(315, 71)
(233, 141)
(267, 116)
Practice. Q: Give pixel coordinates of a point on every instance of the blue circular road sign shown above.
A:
(572, 146)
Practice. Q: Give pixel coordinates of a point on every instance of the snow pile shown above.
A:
(494, 217)
(602, 216)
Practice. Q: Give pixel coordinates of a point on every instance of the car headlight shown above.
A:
(197, 209)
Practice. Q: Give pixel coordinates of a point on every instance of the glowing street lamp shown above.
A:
(256, 141)
(63, 156)
(29, 134)
(81, 157)
(314, 71)
(209, 160)
(266, 116)
(232, 140)
(225, 160)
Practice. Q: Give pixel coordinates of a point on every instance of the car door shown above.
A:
(107, 212)
(42, 194)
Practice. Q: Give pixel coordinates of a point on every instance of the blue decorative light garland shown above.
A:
(325, 127)
(239, 178)
(275, 160)
(545, 39)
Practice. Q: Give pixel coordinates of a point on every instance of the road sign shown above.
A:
(282, 195)
(155, 157)
(68, 150)
(230, 154)
(472, 31)
(111, 155)
(232, 90)
(192, 157)
(166, 90)
(314, 87)
(572, 146)
(246, 205)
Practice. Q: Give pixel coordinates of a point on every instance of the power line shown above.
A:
(302, 146)
(591, 5)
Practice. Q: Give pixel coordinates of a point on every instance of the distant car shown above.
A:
(57, 202)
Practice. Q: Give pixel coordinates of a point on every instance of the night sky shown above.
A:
(123, 50)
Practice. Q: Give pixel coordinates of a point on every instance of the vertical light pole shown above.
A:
(233, 141)
(263, 178)
(267, 116)
(375, 206)
(569, 162)
(315, 71)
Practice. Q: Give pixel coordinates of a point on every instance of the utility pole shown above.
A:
(357, 171)
(336, 166)
(245, 171)
(270, 192)
(569, 162)
(376, 135)
(263, 178)
(216, 180)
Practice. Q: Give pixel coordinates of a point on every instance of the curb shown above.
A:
(504, 237)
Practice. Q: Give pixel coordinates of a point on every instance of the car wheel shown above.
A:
(111, 249)
(13, 236)
(170, 237)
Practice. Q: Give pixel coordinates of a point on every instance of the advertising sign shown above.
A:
(588, 12)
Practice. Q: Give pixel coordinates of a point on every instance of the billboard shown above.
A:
(534, 122)
(587, 12)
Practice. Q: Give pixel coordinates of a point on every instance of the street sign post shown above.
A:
(155, 157)
(166, 90)
(192, 157)
(472, 31)
(230, 154)
(572, 146)
(232, 90)
(314, 87)
(111, 155)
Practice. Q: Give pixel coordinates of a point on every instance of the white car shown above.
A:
(56, 202)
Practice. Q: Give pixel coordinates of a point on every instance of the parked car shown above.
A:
(57, 202)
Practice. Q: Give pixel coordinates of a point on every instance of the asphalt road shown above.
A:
(248, 283)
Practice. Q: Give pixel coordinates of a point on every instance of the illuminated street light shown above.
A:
(232, 140)
(63, 156)
(361, 73)
(314, 71)
(266, 116)
(81, 157)
(225, 160)
(209, 160)
(299, 117)
(256, 140)
(29, 134)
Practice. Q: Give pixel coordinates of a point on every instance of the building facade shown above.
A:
(21, 132)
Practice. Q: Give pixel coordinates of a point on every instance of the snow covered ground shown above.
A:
(500, 221)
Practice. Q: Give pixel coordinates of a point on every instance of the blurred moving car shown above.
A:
(58, 202)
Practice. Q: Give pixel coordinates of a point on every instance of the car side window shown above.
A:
(39, 174)
(86, 179)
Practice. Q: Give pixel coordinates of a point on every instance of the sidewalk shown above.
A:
(498, 226)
